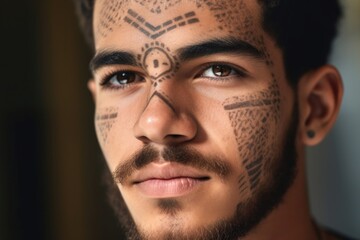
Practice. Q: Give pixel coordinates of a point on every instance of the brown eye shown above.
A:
(222, 70)
(122, 78)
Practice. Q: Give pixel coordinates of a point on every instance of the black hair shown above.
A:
(303, 29)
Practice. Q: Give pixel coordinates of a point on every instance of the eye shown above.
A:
(219, 70)
(121, 79)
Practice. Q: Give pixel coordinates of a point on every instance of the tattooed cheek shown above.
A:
(105, 119)
(253, 118)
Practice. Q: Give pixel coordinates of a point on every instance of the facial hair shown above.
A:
(248, 214)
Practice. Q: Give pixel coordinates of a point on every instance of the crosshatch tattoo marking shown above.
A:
(158, 61)
(105, 120)
(110, 16)
(243, 184)
(155, 31)
(158, 6)
(250, 117)
(227, 14)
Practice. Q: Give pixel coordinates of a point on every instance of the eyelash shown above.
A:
(240, 72)
(105, 80)
(106, 85)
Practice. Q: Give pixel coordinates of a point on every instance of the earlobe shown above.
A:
(92, 88)
(319, 95)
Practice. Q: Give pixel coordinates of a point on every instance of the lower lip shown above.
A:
(165, 188)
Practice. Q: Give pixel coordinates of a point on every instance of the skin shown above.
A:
(241, 116)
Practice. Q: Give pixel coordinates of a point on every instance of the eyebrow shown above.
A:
(108, 57)
(210, 47)
(215, 46)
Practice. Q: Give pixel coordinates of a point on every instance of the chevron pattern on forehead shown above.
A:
(154, 31)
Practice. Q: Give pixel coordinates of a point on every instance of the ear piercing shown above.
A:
(311, 133)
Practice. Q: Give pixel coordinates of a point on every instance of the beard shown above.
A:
(279, 177)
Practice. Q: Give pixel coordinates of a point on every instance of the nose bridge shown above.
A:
(160, 97)
(161, 122)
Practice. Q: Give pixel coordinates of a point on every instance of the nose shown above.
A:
(162, 123)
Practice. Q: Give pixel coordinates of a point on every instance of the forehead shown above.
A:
(175, 20)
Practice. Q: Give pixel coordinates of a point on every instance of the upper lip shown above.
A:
(167, 171)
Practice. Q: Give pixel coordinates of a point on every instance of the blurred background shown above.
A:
(50, 163)
(334, 165)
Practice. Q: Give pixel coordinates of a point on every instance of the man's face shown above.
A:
(192, 114)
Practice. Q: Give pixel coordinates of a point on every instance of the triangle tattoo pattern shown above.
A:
(105, 121)
(251, 117)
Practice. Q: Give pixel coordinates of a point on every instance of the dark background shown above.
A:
(51, 167)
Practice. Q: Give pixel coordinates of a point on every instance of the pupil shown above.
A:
(125, 77)
(221, 70)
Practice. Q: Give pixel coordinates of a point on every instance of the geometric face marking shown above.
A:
(158, 61)
(155, 31)
(251, 117)
(109, 16)
(243, 184)
(251, 103)
(158, 6)
(163, 97)
(105, 119)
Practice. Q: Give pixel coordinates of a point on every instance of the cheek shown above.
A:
(255, 121)
(114, 131)
(105, 119)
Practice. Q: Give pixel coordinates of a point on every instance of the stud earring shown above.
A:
(311, 134)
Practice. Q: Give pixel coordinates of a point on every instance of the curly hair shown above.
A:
(303, 29)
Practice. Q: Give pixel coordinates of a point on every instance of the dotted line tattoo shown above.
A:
(110, 16)
(157, 60)
(155, 57)
(158, 6)
(251, 117)
(155, 31)
(105, 120)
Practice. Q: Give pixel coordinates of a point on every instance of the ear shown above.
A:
(92, 87)
(319, 95)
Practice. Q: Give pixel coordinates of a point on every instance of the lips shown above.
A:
(167, 180)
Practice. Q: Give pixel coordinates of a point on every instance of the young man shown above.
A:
(204, 109)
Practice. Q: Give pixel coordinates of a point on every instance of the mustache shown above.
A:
(179, 154)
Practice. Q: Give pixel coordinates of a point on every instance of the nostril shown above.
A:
(144, 139)
(173, 138)
(176, 136)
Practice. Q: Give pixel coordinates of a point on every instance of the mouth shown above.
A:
(168, 181)
(169, 188)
